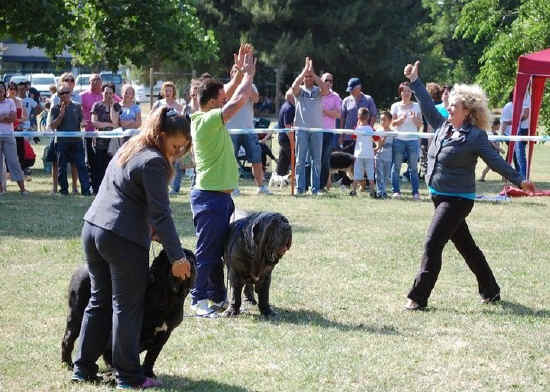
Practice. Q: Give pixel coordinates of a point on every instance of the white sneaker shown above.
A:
(236, 192)
(202, 308)
(396, 195)
(416, 196)
(263, 189)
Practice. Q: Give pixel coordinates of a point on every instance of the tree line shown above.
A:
(456, 40)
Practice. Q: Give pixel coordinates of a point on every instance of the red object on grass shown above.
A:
(512, 191)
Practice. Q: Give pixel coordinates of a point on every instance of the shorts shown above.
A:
(250, 143)
(361, 167)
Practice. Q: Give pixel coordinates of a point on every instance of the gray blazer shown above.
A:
(134, 196)
(452, 161)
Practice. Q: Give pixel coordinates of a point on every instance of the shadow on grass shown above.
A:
(521, 310)
(175, 383)
(312, 318)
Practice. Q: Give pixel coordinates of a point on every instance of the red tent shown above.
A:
(533, 68)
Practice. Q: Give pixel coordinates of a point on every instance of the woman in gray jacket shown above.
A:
(131, 205)
(452, 158)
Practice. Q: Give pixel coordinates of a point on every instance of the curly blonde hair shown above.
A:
(474, 100)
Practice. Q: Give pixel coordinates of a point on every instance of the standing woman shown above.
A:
(168, 92)
(452, 158)
(132, 203)
(105, 115)
(406, 118)
(129, 117)
(8, 148)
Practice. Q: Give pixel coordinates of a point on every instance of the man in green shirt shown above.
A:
(217, 176)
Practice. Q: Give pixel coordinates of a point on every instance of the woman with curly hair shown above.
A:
(452, 157)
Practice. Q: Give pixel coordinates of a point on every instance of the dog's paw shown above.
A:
(231, 312)
(268, 312)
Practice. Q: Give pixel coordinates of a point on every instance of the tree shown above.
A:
(512, 28)
(113, 32)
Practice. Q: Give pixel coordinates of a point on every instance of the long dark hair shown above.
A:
(163, 122)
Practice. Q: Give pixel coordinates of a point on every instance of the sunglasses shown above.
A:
(63, 93)
(328, 80)
(69, 80)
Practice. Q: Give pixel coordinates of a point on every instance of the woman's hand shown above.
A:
(181, 268)
(411, 71)
(528, 186)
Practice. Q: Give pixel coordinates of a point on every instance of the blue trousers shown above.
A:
(118, 273)
(399, 148)
(69, 151)
(308, 144)
(211, 214)
(521, 154)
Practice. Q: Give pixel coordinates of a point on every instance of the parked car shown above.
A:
(82, 82)
(115, 78)
(18, 78)
(42, 82)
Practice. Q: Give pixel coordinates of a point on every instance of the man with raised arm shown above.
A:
(217, 176)
(308, 88)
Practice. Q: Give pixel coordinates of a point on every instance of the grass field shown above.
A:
(339, 293)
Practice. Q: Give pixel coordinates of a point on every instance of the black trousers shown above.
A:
(449, 223)
(90, 161)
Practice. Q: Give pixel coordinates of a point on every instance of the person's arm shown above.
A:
(235, 81)
(11, 115)
(242, 94)
(493, 159)
(427, 106)
(99, 124)
(254, 95)
(155, 184)
(322, 85)
(299, 80)
(56, 116)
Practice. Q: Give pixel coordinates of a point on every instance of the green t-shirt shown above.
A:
(215, 161)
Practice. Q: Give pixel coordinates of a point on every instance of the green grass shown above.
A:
(339, 293)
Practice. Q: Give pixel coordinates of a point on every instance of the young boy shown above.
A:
(364, 154)
(496, 145)
(383, 156)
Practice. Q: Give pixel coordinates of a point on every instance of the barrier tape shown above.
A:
(242, 131)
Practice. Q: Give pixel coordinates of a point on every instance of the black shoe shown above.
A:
(64, 193)
(78, 379)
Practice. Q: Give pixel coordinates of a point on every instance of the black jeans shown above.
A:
(449, 223)
(90, 161)
(118, 273)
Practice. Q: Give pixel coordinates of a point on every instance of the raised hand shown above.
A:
(239, 57)
(411, 71)
(249, 65)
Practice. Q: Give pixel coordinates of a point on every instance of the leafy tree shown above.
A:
(113, 32)
(512, 28)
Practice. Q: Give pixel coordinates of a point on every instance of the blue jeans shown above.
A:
(399, 148)
(383, 170)
(69, 151)
(118, 276)
(520, 153)
(312, 143)
(178, 174)
(211, 214)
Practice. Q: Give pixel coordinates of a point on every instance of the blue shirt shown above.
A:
(286, 116)
(129, 113)
(350, 107)
(441, 109)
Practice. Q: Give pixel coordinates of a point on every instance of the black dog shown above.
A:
(340, 161)
(254, 246)
(164, 300)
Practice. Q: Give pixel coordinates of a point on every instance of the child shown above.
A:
(496, 145)
(383, 156)
(364, 154)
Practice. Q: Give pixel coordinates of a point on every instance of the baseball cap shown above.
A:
(352, 83)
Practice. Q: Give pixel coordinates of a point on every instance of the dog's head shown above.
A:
(160, 273)
(271, 235)
(340, 160)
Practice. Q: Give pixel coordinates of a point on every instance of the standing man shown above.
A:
(67, 116)
(88, 98)
(332, 105)
(309, 114)
(217, 176)
(286, 120)
(350, 106)
(244, 119)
